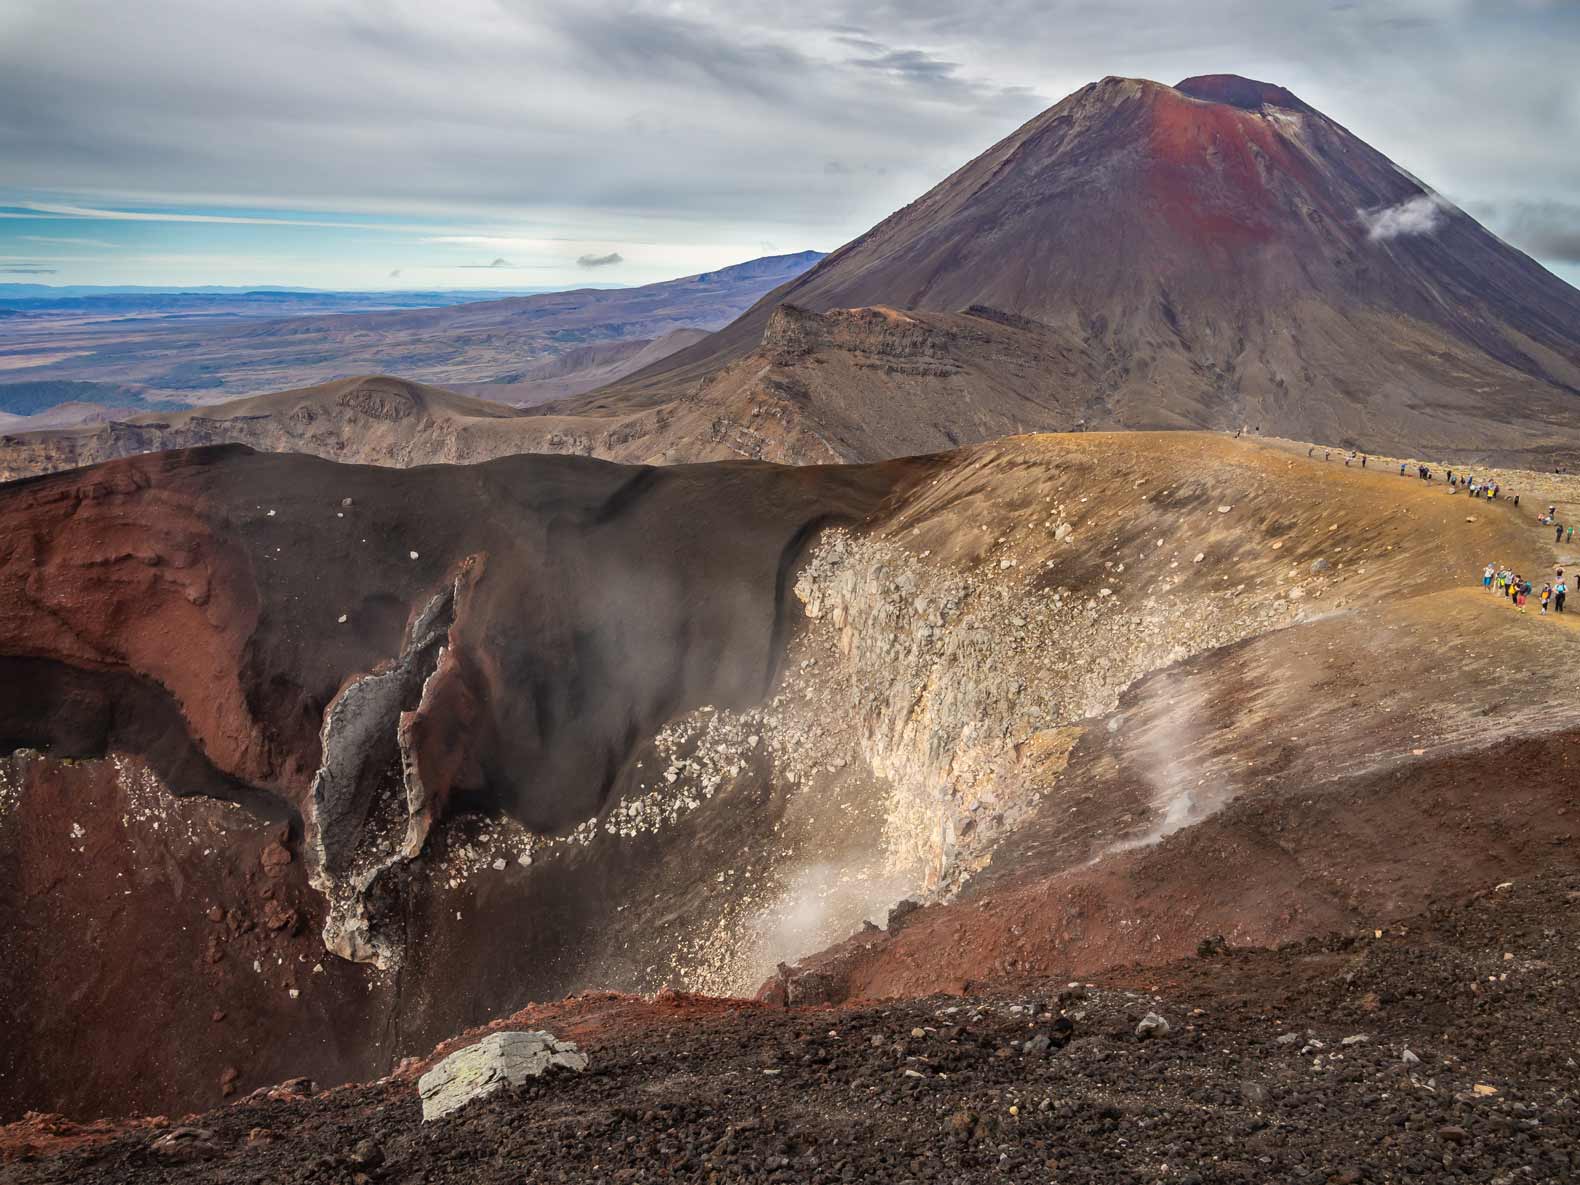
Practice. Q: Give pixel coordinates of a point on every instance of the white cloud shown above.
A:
(1420, 215)
(64, 241)
(501, 242)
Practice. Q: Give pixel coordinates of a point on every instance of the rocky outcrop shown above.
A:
(878, 338)
(969, 693)
(352, 815)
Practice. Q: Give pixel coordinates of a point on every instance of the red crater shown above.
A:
(1239, 92)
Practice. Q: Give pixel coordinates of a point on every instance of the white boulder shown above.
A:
(498, 1060)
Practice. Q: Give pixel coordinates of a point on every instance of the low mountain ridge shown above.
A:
(371, 419)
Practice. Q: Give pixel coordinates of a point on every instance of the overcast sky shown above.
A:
(516, 143)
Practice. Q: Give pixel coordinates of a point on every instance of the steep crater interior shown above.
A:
(639, 728)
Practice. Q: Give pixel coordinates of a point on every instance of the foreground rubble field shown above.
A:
(1286, 1065)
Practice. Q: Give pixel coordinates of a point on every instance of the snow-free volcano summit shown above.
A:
(1215, 254)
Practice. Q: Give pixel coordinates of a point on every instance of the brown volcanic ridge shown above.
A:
(1211, 255)
(372, 420)
(311, 766)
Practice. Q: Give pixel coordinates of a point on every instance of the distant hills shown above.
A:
(581, 369)
(46, 296)
(33, 397)
(202, 347)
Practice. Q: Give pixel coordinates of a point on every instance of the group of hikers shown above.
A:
(1510, 584)
(1495, 578)
(1550, 519)
(1456, 481)
(1479, 489)
(1485, 488)
(1349, 457)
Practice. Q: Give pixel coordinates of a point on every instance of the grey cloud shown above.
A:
(694, 119)
(658, 46)
(839, 168)
(862, 43)
(717, 119)
(395, 275)
(926, 73)
(1548, 230)
(911, 63)
(600, 260)
(28, 271)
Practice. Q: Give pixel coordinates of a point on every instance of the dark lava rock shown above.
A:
(185, 1144)
(900, 913)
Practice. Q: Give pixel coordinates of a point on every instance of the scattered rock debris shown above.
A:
(1253, 1083)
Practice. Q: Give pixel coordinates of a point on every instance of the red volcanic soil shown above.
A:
(1434, 1050)
(1238, 206)
(152, 947)
(1267, 868)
